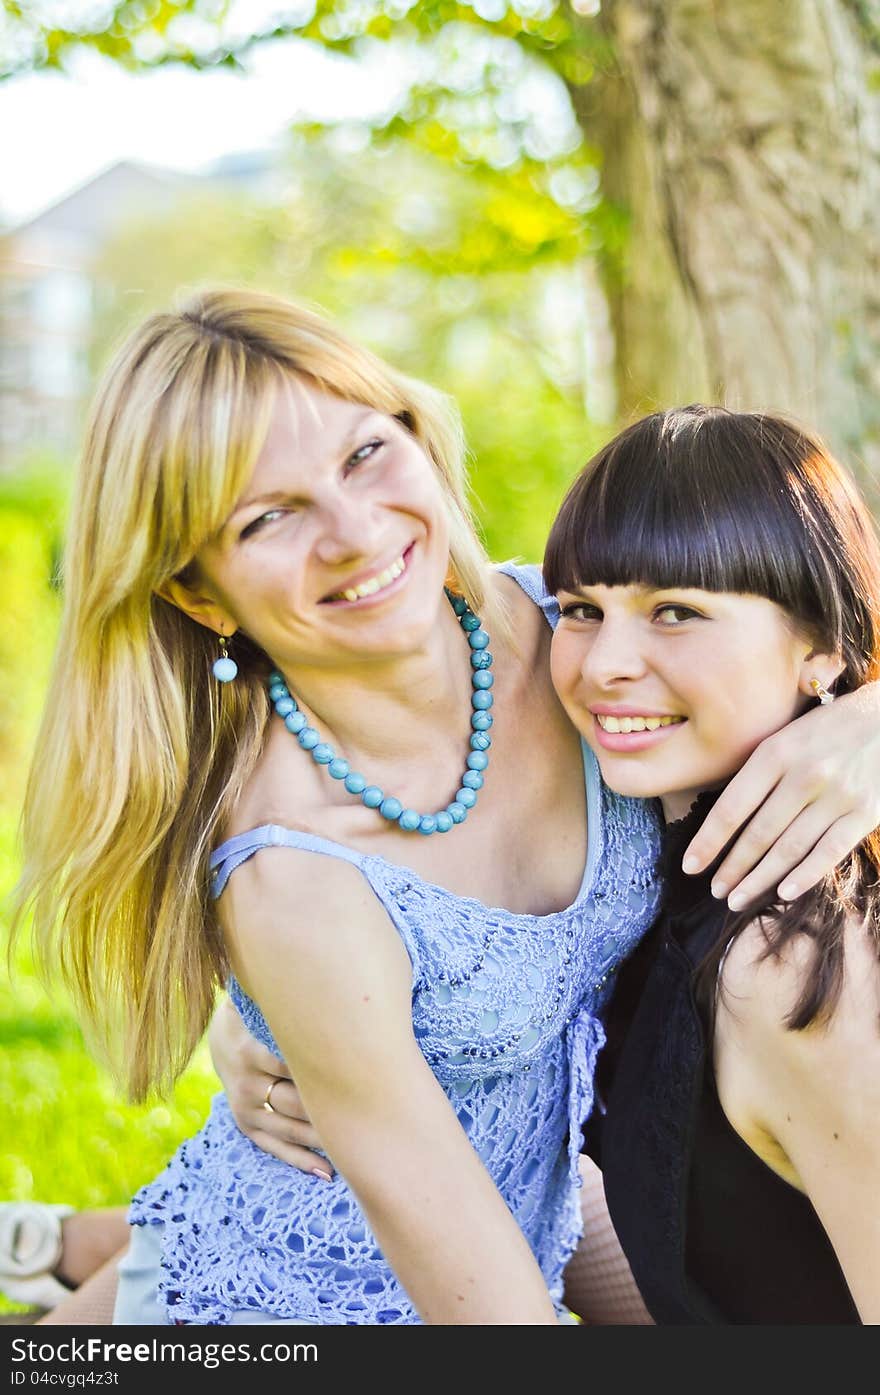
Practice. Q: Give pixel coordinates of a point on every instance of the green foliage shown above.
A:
(473, 98)
(203, 34)
(65, 1133)
(27, 559)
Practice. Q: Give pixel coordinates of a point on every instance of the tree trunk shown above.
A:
(659, 354)
(747, 148)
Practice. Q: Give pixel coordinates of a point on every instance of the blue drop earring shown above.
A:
(225, 669)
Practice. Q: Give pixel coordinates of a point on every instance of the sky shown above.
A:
(57, 131)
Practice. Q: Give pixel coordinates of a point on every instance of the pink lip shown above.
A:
(631, 741)
(377, 596)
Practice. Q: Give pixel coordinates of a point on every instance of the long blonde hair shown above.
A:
(141, 753)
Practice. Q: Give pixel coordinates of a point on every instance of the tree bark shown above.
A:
(659, 355)
(747, 147)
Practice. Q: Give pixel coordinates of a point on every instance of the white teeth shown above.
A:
(627, 724)
(375, 583)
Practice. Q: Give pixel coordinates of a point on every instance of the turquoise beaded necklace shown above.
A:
(372, 796)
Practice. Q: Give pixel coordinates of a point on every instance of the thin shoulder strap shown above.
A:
(530, 579)
(231, 854)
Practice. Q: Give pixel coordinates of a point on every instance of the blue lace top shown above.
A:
(506, 1011)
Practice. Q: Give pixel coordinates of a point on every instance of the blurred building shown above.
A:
(47, 293)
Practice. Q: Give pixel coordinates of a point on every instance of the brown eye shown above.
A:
(675, 615)
(579, 610)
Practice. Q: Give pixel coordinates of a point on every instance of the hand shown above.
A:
(247, 1070)
(811, 793)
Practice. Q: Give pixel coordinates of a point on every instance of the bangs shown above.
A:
(683, 500)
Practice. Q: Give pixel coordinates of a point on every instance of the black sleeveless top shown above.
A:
(711, 1233)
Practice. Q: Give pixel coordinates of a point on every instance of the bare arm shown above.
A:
(808, 1102)
(806, 796)
(247, 1071)
(315, 949)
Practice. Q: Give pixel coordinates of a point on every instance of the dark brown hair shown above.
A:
(744, 502)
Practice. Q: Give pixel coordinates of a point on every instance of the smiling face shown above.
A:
(673, 689)
(338, 548)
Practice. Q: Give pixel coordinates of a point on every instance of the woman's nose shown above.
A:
(348, 529)
(615, 655)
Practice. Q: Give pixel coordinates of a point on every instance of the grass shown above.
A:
(67, 1134)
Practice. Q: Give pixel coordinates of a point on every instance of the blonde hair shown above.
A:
(141, 753)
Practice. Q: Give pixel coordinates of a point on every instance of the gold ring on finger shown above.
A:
(267, 1098)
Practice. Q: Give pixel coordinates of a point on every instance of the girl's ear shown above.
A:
(198, 606)
(820, 668)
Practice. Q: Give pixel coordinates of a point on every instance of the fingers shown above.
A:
(300, 1158)
(746, 791)
(294, 1133)
(284, 1098)
(774, 841)
(764, 876)
(287, 1117)
(831, 848)
(286, 1135)
(257, 1058)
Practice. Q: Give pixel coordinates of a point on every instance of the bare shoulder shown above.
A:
(532, 634)
(306, 907)
(840, 1051)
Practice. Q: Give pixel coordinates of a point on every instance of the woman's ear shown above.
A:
(198, 606)
(820, 668)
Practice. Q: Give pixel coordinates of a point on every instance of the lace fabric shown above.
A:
(507, 1011)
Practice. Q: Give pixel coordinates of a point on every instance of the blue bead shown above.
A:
(372, 796)
(469, 622)
(444, 821)
(480, 741)
(481, 721)
(295, 722)
(456, 811)
(391, 809)
(338, 768)
(409, 820)
(285, 705)
(355, 784)
(322, 753)
(225, 670)
(275, 677)
(308, 738)
(459, 604)
(481, 658)
(472, 780)
(481, 701)
(477, 760)
(278, 690)
(428, 824)
(482, 679)
(466, 797)
(478, 639)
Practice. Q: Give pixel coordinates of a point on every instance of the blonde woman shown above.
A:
(285, 658)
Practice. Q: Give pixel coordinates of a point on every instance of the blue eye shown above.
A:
(257, 523)
(365, 451)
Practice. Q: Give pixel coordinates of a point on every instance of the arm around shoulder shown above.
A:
(313, 946)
